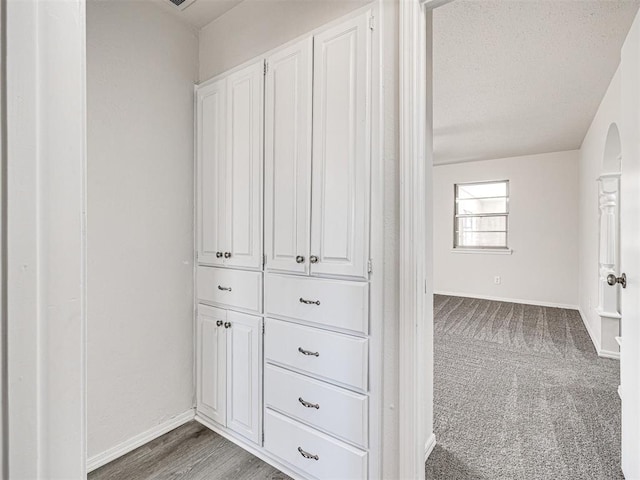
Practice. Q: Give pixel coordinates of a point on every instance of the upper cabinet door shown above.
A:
(341, 150)
(211, 173)
(288, 105)
(244, 167)
(244, 370)
(211, 363)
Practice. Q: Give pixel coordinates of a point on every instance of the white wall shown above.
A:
(256, 26)
(543, 231)
(591, 158)
(142, 63)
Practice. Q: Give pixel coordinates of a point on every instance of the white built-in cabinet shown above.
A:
(229, 369)
(283, 326)
(317, 154)
(229, 152)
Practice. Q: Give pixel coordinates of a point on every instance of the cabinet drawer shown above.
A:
(333, 303)
(330, 458)
(332, 356)
(237, 289)
(332, 409)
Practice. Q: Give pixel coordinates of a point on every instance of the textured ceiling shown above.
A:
(521, 77)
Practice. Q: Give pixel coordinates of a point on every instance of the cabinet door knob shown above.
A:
(227, 254)
(218, 254)
(219, 323)
(313, 259)
(227, 324)
(299, 259)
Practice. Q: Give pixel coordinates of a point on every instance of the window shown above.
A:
(481, 215)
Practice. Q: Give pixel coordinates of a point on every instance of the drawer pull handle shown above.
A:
(308, 455)
(308, 353)
(309, 302)
(224, 289)
(308, 404)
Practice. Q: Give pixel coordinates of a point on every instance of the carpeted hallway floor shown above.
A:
(521, 394)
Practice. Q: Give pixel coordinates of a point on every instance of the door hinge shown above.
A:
(371, 22)
(266, 67)
(263, 438)
(262, 328)
(370, 266)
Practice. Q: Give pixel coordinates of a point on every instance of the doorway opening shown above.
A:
(526, 183)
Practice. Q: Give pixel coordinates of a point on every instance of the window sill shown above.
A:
(483, 251)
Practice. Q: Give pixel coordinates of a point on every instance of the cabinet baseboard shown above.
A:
(127, 446)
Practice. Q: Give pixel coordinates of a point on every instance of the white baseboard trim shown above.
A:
(429, 446)
(601, 353)
(251, 448)
(127, 446)
(508, 300)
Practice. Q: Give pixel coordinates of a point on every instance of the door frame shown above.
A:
(45, 227)
(417, 439)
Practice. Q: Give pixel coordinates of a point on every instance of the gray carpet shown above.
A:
(521, 394)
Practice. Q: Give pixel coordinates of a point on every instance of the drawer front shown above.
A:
(332, 303)
(329, 458)
(332, 409)
(331, 356)
(237, 289)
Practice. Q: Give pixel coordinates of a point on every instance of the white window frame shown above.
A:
(456, 215)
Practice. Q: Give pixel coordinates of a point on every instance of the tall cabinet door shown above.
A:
(288, 88)
(341, 149)
(244, 167)
(244, 382)
(211, 172)
(211, 363)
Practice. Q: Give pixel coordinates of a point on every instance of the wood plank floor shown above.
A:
(191, 452)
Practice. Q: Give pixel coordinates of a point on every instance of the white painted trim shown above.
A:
(416, 244)
(538, 303)
(609, 354)
(139, 440)
(253, 449)
(482, 251)
(376, 246)
(601, 353)
(429, 446)
(46, 218)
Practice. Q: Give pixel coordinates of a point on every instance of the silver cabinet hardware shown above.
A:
(309, 302)
(308, 455)
(313, 259)
(227, 324)
(218, 254)
(224, 289)
(612, 280)
(308, 353)
(299, 259)
(227, 254)
(308, 404)
(219, 323)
